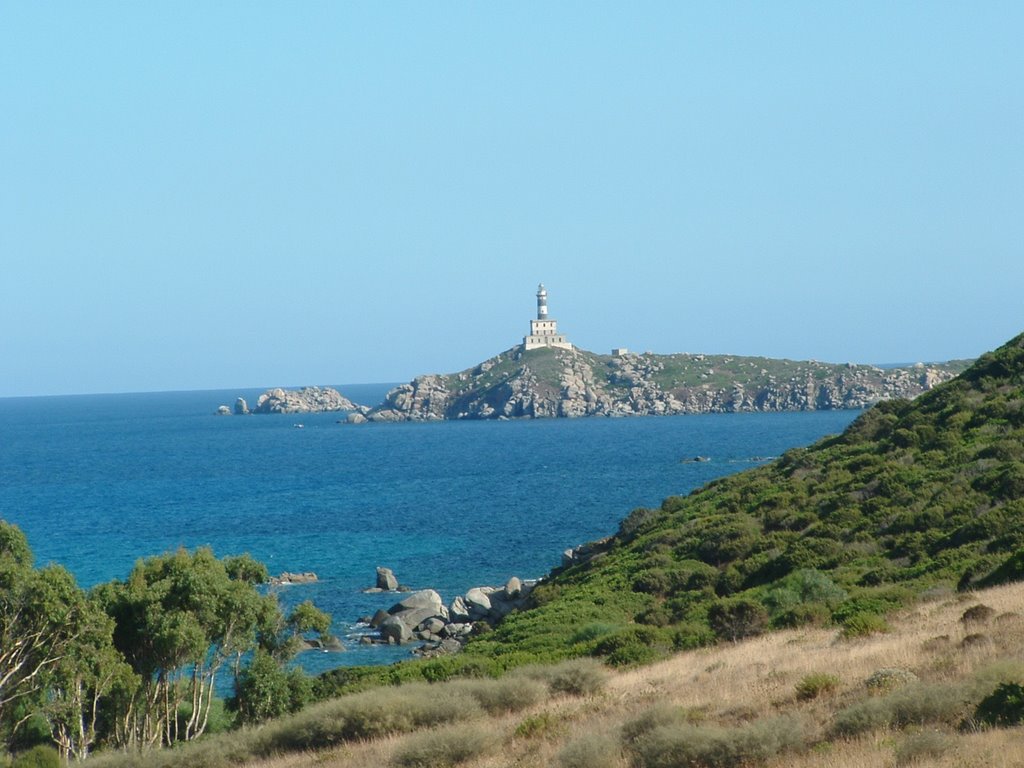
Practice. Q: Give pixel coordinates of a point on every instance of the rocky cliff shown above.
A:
(556, 382)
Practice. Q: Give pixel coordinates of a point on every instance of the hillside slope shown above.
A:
(552, 382)
(801, 698)
(912, 496)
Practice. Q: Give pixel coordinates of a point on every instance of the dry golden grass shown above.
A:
(756, 679)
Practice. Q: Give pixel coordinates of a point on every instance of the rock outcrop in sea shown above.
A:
(305, 400)
(551, 382)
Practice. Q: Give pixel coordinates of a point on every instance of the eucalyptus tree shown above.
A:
(40, 617)
(82, 681)
(179, 618)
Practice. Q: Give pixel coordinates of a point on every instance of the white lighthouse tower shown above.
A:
(544, 332)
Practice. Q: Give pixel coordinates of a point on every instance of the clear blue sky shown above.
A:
(217, 195)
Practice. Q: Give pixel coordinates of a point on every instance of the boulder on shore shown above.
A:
(422, 615)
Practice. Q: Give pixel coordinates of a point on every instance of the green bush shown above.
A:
(1003, 707)
(738, 618)
(691, 635)
(445, 747)
(652, 581)
(633, 645)
(816, 684)
(40, 756)
(804, 614)
(591, 632)
(864, 624)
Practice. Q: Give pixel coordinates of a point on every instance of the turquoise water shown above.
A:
(99, 481)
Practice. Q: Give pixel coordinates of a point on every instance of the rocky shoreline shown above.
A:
(442, 629)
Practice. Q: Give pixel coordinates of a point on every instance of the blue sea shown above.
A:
(98, 481)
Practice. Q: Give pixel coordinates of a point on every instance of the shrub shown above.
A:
(444, 747)
(977, 614)
(542, 725)
(889, 679)
(926, 745)
(593, 751)
(805, 586)
(40, 756)
(1003, 707)
(976, 640)
(653, 581)
(637, 520)
(813, 614)
(911, 705)
(689, 636)
(593, 631)
(864, 624)
(657, 716)
(509, 694)
(367, 715)
(635, 645)
(575, 677)
(655, 616)
(737, 619)
(816, 684)
(670, 746)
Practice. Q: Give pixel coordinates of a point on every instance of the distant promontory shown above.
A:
(547, 377)
(550, 381)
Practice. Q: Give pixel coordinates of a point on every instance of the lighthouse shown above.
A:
(544, 331)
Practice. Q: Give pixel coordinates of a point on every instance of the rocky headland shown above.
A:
(551, 382)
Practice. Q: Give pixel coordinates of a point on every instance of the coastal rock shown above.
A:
(241, 407)
(425, 598)
(305, 400)
(478, 603)
(287, 578)
(329, 643)
(394, 630)
(386, 580)
(223, 411)
(513, 587)
(458, 610)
